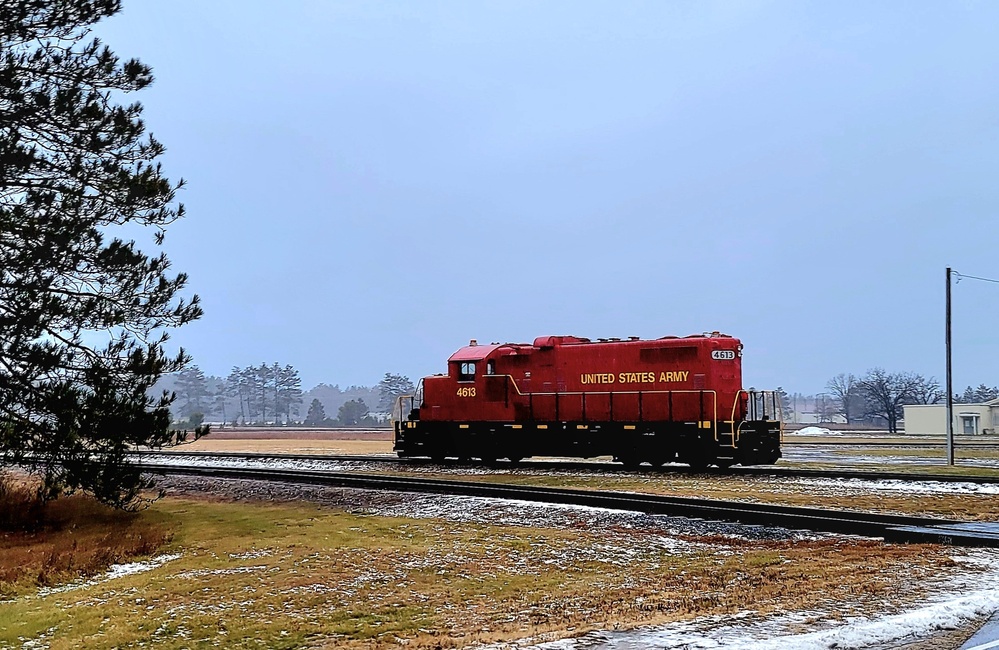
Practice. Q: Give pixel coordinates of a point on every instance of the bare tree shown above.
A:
(886, 392)
(849, 397)
(825, 409)
(925, 390)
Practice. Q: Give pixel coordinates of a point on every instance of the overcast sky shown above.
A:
(372, 184)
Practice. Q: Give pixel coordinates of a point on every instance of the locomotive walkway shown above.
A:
(892, 528)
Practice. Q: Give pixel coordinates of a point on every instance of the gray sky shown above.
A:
(372, 184)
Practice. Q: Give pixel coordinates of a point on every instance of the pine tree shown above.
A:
(391, 387)
(234, 388)
(288, 393)
(82, 311)
(262, 383)
(192, 392)
(316, 415)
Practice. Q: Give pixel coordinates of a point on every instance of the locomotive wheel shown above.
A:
(515, 460)
(725, 463)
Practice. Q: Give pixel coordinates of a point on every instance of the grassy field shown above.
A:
(283, 575)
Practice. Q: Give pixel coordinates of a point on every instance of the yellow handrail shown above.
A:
(398, 405)
(736, 430)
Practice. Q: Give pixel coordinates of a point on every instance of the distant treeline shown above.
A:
(271, 394)
(878, 396)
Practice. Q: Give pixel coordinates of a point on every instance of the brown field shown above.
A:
(360, 442)
(289, 446)
(300, 434)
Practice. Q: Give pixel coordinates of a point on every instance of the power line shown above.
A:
(961, 276)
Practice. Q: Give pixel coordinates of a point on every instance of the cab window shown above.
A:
(490, 367)
(466, 371)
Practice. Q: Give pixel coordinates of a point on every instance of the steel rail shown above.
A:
(598, 466)
(984, 444)
(889, 527)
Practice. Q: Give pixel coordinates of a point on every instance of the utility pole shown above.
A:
(950, 387)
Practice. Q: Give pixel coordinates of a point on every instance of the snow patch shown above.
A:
(850, 486)
(958, 601)
(510, 512)
(250, 555)
(197, 573)
(115, 571)
(813, 431)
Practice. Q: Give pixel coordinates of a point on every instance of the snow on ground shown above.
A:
(853, 486)
(847, 458)
(304, 464)
(967, 595)
(844, 487)
(510, 512)
(114, 571)
(813, 431)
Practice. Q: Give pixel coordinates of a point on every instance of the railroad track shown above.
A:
(894, 528)
(597, 466)
(892, 444)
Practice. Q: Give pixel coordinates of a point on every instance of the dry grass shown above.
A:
(938, 454)
(292, 575)
(960, 440)
(289, 446)
(307, 433)
(43, 544)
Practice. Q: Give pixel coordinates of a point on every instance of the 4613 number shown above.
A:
(466, 391)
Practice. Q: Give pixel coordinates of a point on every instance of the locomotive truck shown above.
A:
(672, 399)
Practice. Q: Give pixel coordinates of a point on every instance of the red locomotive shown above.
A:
(666, 400)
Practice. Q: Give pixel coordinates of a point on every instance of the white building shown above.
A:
(970, 419)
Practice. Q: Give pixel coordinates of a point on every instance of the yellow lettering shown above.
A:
(670, 376)
(664, 376)
(597, 378)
